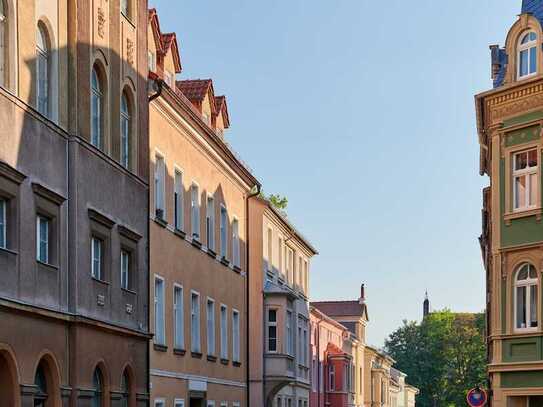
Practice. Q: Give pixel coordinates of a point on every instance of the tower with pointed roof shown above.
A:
(426, 306)
(509, 126)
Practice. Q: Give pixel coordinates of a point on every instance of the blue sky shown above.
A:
(360, 112)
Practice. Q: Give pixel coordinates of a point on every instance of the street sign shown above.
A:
(477, 397)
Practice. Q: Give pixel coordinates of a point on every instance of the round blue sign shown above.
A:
(477, 397)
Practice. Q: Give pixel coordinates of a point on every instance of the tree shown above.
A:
(444, 356)
(278, 202)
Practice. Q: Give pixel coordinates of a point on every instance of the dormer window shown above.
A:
(527, 55)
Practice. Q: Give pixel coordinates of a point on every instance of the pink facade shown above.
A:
(331, 362)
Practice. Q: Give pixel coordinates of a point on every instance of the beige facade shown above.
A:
(198, 234)
(279, 371)
(377, 378)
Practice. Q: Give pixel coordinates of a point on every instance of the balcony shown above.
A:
(279, 366)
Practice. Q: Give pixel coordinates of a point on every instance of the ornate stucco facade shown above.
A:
(509, 124)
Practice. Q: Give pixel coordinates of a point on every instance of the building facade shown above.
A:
(401, 394)
(73, 249)
(198, 240)
(509, 120)
(353, 315)
(332, 369)
(279, 370)
(377, 378)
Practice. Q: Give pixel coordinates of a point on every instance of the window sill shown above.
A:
(522, 214)
(224, 361)
(51, 267)
(161, 222)
(128, 291)
(160, 348)
(520, 331)
(236, 364)
(211, 253)
(9, 251)
(197, 355)
(103, 282)
(237, 269)
(225, 261)
(180, 233)
(179, 352)
(212, 358)
(196, 243)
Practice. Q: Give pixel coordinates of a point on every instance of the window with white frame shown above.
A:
(224, 332)
(224, 403)
(4, 56)
(210, 222)
(97, 249)
(178, 317)
(525, 184)
(210, 314)
(195, 322)
(42, 239)
(179, 403)
(290, 266)
(224, 232)
(235, 336)
(331, 377)
(195, 211)
(178, 200)
(160, 403)
(125, 131)
(236, 254)
(527, 55)
(210, 403)
(151, 61)
(160, 185)
(3, 223)
(272, 330)
(290, 333)
(97, 97)
(280, 255)
(125, 269)
(42, 70)
(270, 248)
(236, 404)
(160, 334)
(526, 303)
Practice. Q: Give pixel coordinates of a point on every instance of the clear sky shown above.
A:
(362, 113)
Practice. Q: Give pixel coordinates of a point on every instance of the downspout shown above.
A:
(247, 288)
(158, 87)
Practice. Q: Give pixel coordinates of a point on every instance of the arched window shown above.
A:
(3, 43)
(125, 389)
(526, 297)
(98, 387)
(125, 131)
(42, 71)
(125, 8)
(96, 109)
(527, 55)
(40, 398)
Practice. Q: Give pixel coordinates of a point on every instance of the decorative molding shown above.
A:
(128, 233)
(184, 376)
(130, 51)
(100, 218)
(101, 22)
(11, 173)
(46, 193)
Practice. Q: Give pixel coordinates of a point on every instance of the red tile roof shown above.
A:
(221, 108)
(340, 308)
(195, 90)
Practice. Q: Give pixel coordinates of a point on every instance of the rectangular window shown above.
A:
(321, 375)
(125, 269)
(525, 186)
(290, 334)
(236, 255)
(195, 211)
(210, 222)
(160, 337)
(280, 256)
(290, 266)
(305, 346)
(272, 330)
(235, 336)
(160, 175)
(3, 224)
(224, 332)
(331, 377)
(195, 322)
(210, 403)
(178, 200)
(224, 232)
(178, 318)
(42, 239)
(151, 60)
(179, 403)
(160, 403)
(210, 327)
(279, 402)
(96, 258)
(270, 249)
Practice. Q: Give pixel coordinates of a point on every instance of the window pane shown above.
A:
(521, 160)
(533, 306)
(43, 248)
(521, 307)
(272, 315)
(125, 265)
(533, 60)
(532, 158)
(210, 328)
(178, 310)
(520, 192)
(533, 189)
(159, 311)
(523, 273)
(3, 237)
(523, 63)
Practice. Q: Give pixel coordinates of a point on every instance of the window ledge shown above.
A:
(128, 291)
(224, 361)
(51, 267)
(211, 253)
(212, 358)
(103, 282)
(236, 364)
(196, 243)
(161, 222)
(197, 355)
(9, 251)
(160, 348)
(180, 233)
(520, 331)
(522, 214)
(180, 352)
(237, 269)
(225, 261)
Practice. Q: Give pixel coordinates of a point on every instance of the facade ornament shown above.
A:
(101, 22)
(130, 51)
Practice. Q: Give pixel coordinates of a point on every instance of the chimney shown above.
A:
(362, 299)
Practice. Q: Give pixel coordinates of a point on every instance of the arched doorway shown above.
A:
(9, 384)
(47, 382)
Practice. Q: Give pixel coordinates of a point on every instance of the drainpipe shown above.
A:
(156, 85)
(247, 287)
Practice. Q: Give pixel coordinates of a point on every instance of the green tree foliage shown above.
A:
(444, 356)
(278, 202)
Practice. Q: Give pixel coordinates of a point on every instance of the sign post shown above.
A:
(477, 397)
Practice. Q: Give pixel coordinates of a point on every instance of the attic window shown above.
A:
(527, 55)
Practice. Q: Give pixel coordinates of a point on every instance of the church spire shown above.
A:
(426, 305)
